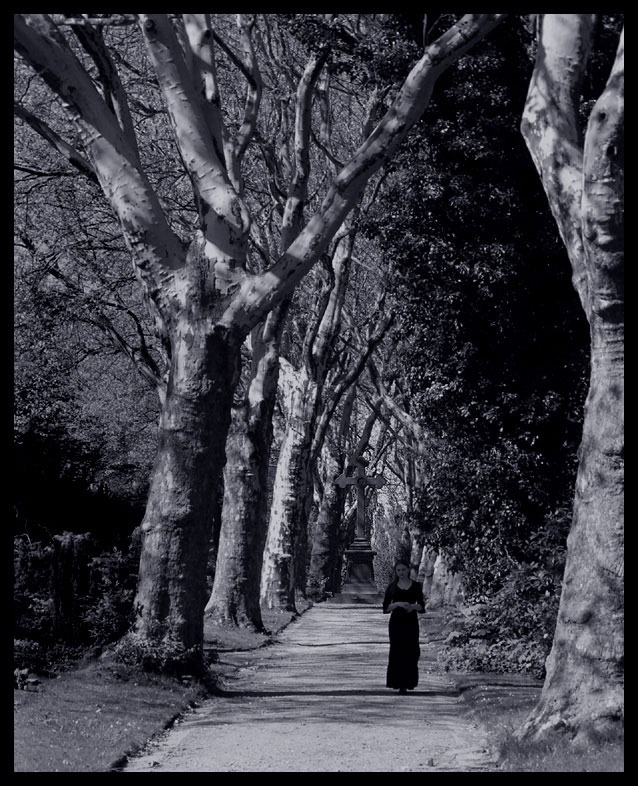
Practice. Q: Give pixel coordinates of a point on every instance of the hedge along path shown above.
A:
(315, 701)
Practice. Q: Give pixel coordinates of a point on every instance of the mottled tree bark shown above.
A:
(170, 598)
(583, 689)
(235, 597)
(290, 501)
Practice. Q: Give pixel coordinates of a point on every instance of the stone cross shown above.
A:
(360, 480)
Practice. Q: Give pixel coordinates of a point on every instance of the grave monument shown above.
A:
(359, 586)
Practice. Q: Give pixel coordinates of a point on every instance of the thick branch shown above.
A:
(92, 40)
(253, 95)
(155, 248)
(325, 126)
(199, 34)
(275, 187)
(221, 204)
(293, 212)
(329, 325)
(106, 19)
(603, 196)
(366, 433)
(316, 318)
(409, 423)
(550, 127)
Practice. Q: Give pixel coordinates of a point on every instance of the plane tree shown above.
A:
(578, 150)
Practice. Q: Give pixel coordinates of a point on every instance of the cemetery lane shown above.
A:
(316, 701)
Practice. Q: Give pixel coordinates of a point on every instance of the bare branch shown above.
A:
(43, 173)
(348, 378)
(92, 40)
(233, 57)
(139, 356)
(297, 192)
(55, 140)
(275, 187)
(253, 96)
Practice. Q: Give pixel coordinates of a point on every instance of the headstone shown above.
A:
(359, 586)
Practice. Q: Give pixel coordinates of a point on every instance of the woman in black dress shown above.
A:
(403, 600)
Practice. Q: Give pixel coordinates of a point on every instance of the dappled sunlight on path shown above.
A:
(315, 701)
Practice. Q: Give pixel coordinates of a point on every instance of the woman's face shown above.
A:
(401, 571)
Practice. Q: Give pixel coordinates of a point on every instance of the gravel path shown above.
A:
(316, 701)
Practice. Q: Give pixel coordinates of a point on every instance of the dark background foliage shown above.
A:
(498, 354)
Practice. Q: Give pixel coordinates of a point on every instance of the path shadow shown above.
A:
(350, 643)
(386, 692)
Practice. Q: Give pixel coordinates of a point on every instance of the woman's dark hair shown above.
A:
(395, 578)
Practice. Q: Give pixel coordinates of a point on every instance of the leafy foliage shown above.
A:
(161, 657)
(512, 629)
(495, 346)
(59, 612)
(368, 49)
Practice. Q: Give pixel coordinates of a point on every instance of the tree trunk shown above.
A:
(584, 686)
(344, 541)
(235, 597)
(290, 504)
(176, 531)
(324, 553)
(416, 551)
(426, 570)
(583, 690)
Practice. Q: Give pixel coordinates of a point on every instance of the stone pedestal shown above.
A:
(359, 586)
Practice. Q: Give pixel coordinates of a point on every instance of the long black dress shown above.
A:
(403, 669)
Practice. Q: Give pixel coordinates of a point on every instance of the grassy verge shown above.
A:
(90, 718)
(501, 702)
